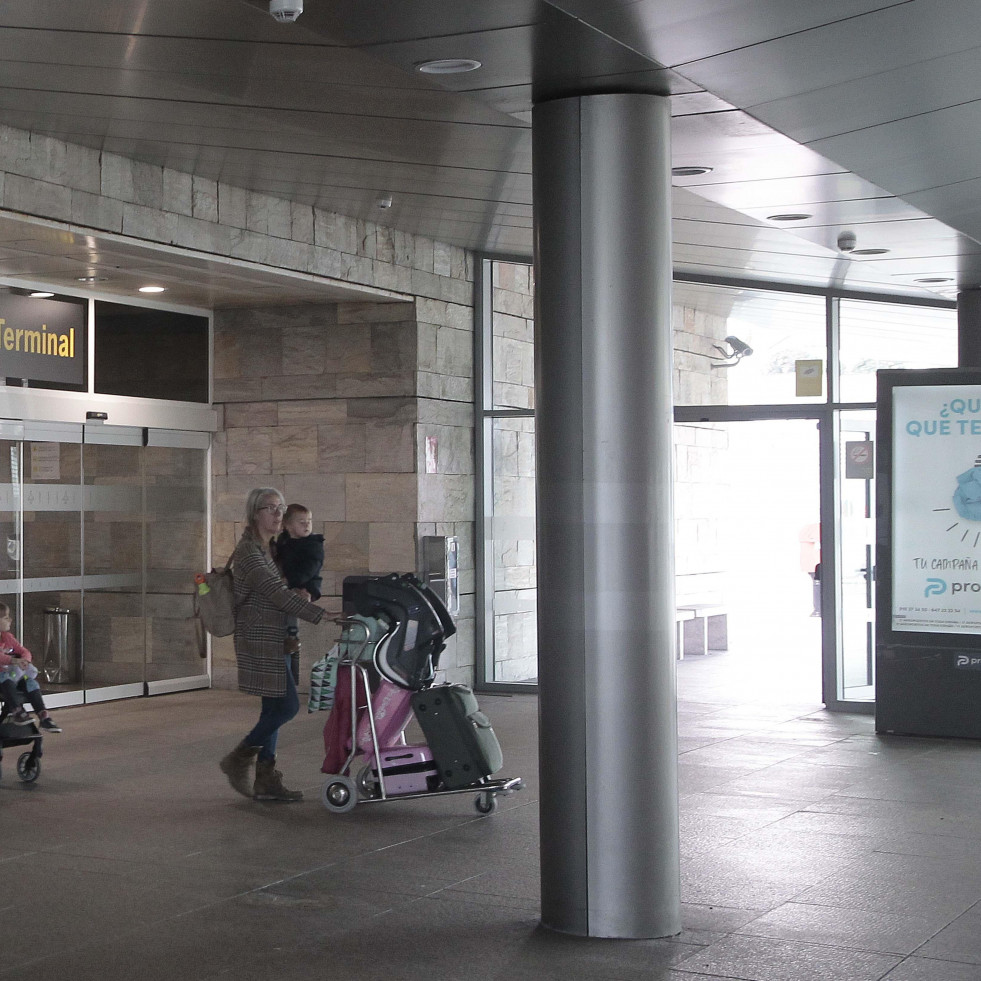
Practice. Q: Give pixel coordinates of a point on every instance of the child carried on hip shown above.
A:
(300, 556)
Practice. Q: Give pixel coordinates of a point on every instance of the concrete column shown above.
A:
(969, 328)
(609, 800)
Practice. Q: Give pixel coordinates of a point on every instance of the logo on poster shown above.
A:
(937, 587)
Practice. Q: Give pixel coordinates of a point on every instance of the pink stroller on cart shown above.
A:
(386, 664)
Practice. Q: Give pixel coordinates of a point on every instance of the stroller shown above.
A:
(386, 661)
(29, 762)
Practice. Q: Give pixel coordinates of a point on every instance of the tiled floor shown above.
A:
(811, 849)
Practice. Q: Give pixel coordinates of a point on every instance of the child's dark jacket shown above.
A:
(301, 560)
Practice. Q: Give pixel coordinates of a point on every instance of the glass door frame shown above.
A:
(26, 433)
(826, 414)
(485, 415)
(151, 437)
(827, 418)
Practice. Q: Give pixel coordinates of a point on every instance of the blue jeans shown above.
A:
(276, 712)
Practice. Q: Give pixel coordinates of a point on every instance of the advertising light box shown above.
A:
(936, 509)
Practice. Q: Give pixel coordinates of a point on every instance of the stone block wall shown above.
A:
(323, 402)
(89, 189)
(695, 332)
(332, 404)
(514, 336)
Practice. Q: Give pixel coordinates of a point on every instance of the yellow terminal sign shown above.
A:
(20, 339)
(43, 340)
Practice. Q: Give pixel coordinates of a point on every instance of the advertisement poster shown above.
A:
(936, 512)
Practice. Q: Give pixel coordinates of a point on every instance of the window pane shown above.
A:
(779, 328)
(515, 572)
(176, 516)
(856, 531)
(513, 336)
(154, 354)
(888, 335)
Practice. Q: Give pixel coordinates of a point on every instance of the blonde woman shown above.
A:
(262, 604)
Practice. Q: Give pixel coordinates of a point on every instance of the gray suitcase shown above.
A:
(459, 734)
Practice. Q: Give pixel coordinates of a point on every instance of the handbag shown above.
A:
(214, 603)
(323, 681)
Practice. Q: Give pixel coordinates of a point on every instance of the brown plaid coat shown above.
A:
(262, 601)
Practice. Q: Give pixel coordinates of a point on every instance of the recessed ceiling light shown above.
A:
(690, 171)
(869, 251)
(790, 216)
(153, 289)
(448, 66)
(92, 279)
(40, 295)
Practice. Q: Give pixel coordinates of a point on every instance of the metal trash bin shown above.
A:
(58, 663)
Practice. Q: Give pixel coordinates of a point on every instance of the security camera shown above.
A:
(285, 11)
(847, 242)
(385, 201)
(740, 349)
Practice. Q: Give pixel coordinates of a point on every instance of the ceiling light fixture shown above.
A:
(92, 279)
(153, 289)
(690, 171)
(790, 216)
(40, 295)
(448, 66)
(869, 251)
(934, 279)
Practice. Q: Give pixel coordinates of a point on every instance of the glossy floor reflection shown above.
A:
(811, 849)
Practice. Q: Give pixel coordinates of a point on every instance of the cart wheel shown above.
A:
(367, 782)
(28, 767)
(486, 803)
(339, 794)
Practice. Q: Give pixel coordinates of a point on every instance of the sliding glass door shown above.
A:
(101, 531)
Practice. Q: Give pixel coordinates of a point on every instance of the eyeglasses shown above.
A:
(273, 508)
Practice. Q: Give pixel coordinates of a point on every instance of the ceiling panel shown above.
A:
(910, 90)
(929, 150)
(845, 50)
(677, 33)
(331, 112)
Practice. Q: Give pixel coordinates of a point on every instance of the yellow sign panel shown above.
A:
(810, 378)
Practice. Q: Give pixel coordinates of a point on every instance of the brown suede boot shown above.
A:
(237, 766)
(269, 783)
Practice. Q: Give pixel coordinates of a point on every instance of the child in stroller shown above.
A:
(18, 680)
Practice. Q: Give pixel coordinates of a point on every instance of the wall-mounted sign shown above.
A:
(42, 339)
(810, 378)
(859, 460)
(936, 508)
(45, 461)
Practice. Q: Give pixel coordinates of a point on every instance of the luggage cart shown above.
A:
(342, 791)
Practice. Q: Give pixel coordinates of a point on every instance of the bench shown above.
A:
(704, 629)
(681, 617)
